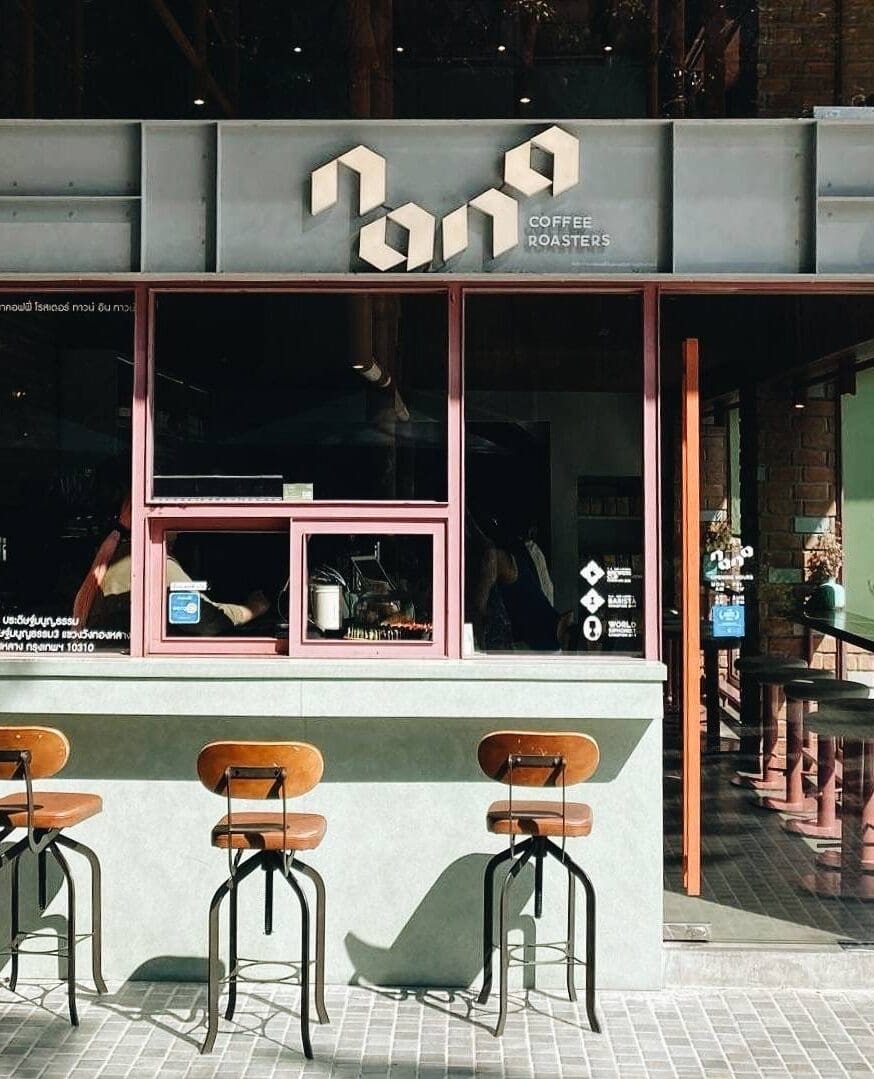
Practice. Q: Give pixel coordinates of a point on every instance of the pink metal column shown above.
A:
(826, 824)
(652, 595)
(139, 470)
(794, 800)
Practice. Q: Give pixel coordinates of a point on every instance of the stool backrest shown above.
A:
(48, 751)
(538, 758)
(299, 767)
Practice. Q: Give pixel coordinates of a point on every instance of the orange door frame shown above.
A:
(691, 619)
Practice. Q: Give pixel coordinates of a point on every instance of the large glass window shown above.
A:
(66, 365)
(553, 483)
(300, 396)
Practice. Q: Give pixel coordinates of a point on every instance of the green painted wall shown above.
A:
(857, 444)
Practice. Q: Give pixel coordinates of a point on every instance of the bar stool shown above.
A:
(265, 770)
(751, 702)
(757, 673)
(825, 824)
(535, 759)
(797, 691)
(30, 753)
(850, 871)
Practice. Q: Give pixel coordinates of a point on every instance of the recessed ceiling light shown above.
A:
(502, 48)
(297, 48)
(524, 100)
(399, 48)
(608, 48)
(199, 101)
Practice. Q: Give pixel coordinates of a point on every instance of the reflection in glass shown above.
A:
(66, 363)
(301, 396)
(226, 584)
(553, 436)
(369, 587)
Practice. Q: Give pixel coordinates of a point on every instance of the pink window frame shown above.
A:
(145, 556)
(390, 516)
(152, 517)
(156, 588)
(298, 645)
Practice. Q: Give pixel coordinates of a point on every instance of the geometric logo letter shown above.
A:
(565, 152)
(420, 226)
(369, 166)
(373, 248)
(453, 228)
(504, 213)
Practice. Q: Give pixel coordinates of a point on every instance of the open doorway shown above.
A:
(784, 501)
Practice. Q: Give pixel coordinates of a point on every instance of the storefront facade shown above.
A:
(344, 368)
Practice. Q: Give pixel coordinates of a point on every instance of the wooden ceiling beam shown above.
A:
(197, 62)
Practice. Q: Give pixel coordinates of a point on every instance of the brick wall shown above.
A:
(858, 47)
(797, 501)
(797, 54)
(714, 468)
(797, 490)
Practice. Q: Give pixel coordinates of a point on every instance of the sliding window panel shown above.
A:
(369, 589)
(219, 586)
(300, 396)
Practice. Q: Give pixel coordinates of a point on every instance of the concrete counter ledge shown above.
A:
(405, 803)
(552, 687)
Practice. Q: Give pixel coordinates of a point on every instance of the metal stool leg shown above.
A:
(10, 857)
(571, 934)
(304, 960)
(71, 933)
(538, 880)
(316, 878)
(232, 953)
(269, 870)
(572, 867)
(15, 928)
(503, 929)
(488, 921)
(213, 978)
(42, 890)
(96, 909)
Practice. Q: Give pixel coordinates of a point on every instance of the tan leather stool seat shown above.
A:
(52, 809)
(539, 818)
(263, 831)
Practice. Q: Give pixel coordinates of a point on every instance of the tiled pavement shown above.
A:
(148, 1029)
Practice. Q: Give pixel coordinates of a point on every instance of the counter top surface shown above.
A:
(855, 629)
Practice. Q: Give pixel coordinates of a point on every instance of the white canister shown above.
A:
(325, 605)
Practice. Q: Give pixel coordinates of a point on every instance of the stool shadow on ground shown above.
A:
(446, 927)
(138, 1001)
(132, 1002)
(51, 927)
(462, 1004)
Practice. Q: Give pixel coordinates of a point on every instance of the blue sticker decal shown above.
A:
(183, 608)
(728, 620)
